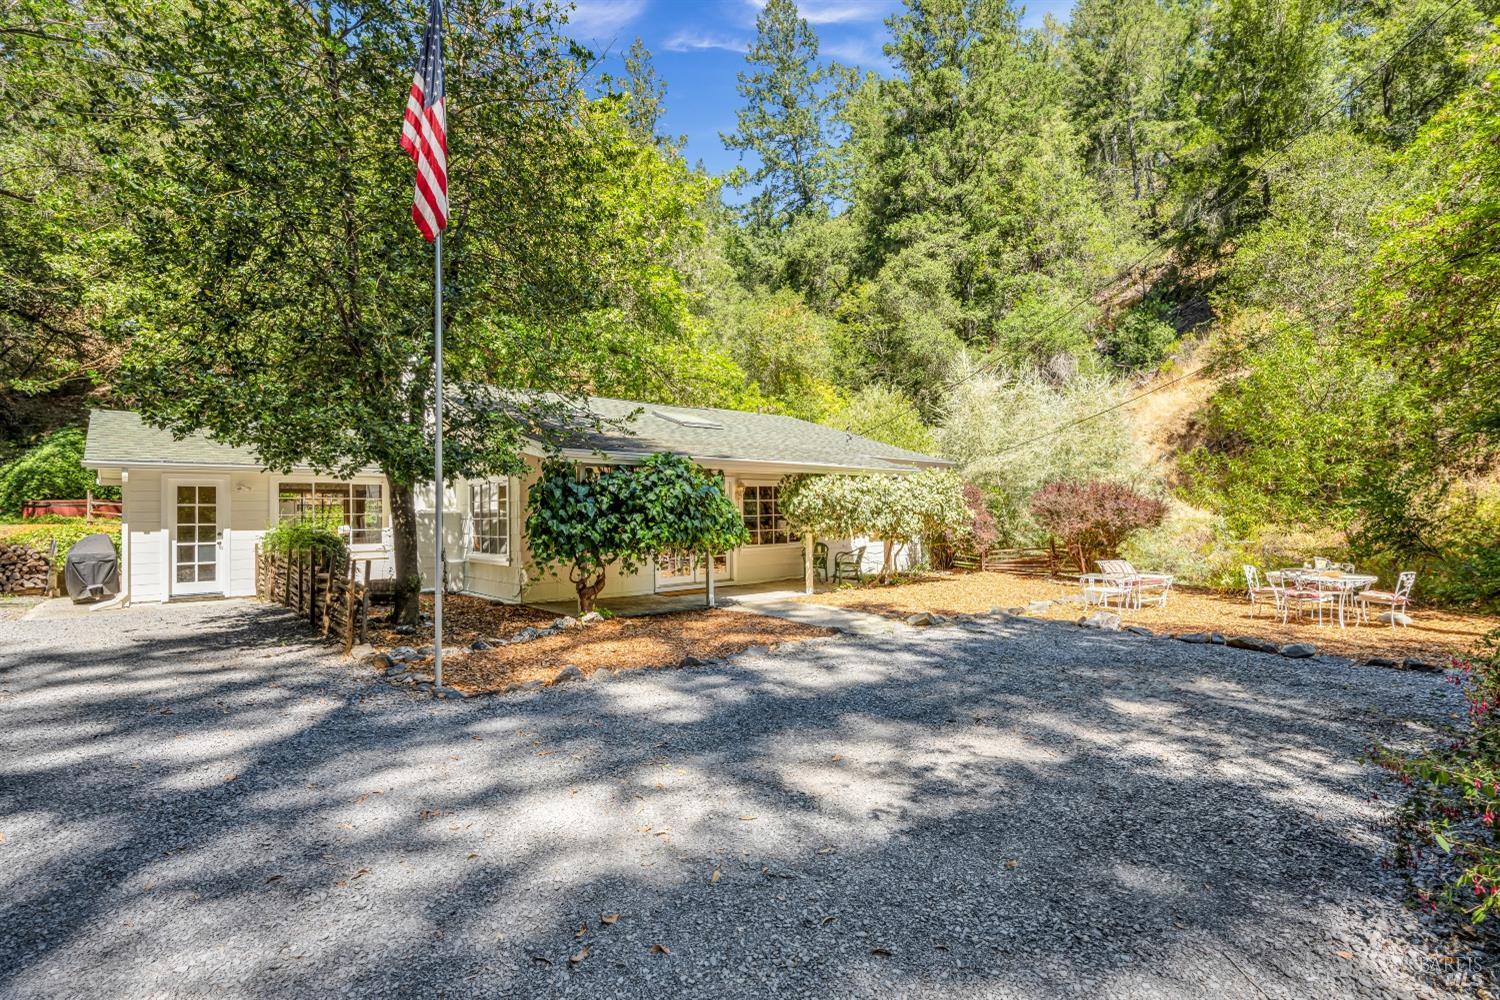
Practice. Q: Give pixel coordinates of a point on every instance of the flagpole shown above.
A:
(437, 474)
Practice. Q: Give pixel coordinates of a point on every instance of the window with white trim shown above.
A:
(357, 508)
(760, 507)
(489, 513)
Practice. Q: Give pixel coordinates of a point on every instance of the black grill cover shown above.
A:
(92, 570)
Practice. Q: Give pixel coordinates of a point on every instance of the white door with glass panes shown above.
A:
(197, 545)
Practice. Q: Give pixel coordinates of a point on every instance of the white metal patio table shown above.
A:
(1341, 583)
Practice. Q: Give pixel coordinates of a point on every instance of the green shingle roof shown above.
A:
(121, 438)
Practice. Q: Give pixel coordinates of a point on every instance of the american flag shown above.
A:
(424, 133)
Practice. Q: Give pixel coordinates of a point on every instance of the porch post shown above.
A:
(709, 572)
(807, 562)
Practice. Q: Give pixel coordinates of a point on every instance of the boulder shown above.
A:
(565, 622)
(480, 644)
(526, 634)
(1139, 630)
(1216, 639)
(1106, 620)
(1393, 618)
(403, 653)
(396, 669)
(1381, 661)
(922, 618)
(590, 618)
(1250, 642)
(1298, 650)
(1199, 637)
(425, 651)
(1412, 663)
(567, 675)
(405, 630)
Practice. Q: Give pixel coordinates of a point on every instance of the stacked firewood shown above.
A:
(23, 570)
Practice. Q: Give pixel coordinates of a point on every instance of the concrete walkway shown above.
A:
(843, 619)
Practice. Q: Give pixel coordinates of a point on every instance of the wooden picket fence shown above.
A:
(330, 594)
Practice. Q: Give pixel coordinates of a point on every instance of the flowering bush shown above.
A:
(1453, 800)
(1092, 518)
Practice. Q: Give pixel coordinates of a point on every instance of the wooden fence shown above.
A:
(1023, 562)
(330, 594)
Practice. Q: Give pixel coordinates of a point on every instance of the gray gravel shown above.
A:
(195, 800)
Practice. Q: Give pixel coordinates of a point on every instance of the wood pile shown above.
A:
(24, 570)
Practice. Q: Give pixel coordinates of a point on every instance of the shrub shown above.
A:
(1452, 804)
(975, 534)
(884, 414)
(316, 532)
(1142, 337)
(1092, 518)
(40, 533)
(53, 470)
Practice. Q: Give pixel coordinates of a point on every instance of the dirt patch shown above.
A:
(638, 643)
(464, 620)
(1434, 635)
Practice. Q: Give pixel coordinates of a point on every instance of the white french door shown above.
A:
(196, 529)
(684, 570)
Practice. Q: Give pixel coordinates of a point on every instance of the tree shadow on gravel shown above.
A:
(213, 803)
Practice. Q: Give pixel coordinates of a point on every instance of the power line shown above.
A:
(1159, 244)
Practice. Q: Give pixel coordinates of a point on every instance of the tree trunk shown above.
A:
(887, 560)
(588, 589)
(408, 593)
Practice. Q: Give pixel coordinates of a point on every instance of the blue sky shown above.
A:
(699, 46)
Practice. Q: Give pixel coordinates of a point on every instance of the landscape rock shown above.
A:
(364, 651)
(1298, 650)
(1381, 661)
(403, 653)
(1069, 599)
(521, 686)
(1139, 630)
(405, 630)
(1194, 637)
(526, 634)
(590, 618)
(1037, 607)
(1250, 642)
(1393, 618)
(926, 618)
(565, 622)
(567, 675)
(1412, 663)
(448, 692)
(480, 644)
(1106, 620)
(379, 661)
(1216, 638)
(692, 661)
(424, 651)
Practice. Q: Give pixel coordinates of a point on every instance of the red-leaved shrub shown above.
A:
(1092, 518)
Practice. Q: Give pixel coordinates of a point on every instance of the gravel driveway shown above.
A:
(196, 801)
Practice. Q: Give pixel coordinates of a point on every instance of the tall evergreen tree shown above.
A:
(787, 120)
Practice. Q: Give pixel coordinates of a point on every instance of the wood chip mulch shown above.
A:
(1434, 634)
(644, 642)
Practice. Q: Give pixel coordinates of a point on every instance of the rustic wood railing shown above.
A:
(1023, 562)
(331, 594)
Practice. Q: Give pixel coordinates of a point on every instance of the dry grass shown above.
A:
(640, 643)
(1434, 634)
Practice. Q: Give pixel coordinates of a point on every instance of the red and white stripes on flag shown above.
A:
(424, 133)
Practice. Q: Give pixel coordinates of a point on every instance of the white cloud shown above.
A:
(856, 52)
(693, 40)
(836, 11)
(590, 19)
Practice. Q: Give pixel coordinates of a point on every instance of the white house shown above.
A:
(194, 509)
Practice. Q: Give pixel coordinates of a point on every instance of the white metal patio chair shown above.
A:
(1257, 591)
(1299, 595)
(1099, 590)
(1396, 600)
(1157, 585)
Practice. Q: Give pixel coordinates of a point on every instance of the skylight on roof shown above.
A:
(689, 420)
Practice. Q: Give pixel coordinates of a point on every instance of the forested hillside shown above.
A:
(1244, 254)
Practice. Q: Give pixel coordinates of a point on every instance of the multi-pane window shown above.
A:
(489, 509)
(762, 514)
(358, 507)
